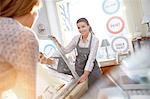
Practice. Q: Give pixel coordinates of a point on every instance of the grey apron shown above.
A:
(81, 60)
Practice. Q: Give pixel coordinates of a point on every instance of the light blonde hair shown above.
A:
(14, 8)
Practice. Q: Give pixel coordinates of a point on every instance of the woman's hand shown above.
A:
(54, 38)
(50, 61)
(44, 60)
(84, 76)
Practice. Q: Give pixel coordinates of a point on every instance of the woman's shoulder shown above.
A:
(15, 29)
(25, 32)
(76, 38)
(28, 32)
(95, 38)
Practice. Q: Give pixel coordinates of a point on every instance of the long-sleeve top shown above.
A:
(93, 50)
(18, 45)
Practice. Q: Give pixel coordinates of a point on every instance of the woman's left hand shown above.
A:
(84, 77)
(42, 58)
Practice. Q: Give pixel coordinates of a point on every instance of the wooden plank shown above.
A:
(78, 91)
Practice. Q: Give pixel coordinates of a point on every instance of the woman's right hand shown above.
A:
(84, 76)
(54, 38)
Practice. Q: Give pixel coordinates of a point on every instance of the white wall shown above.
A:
(53, 18)
(134, 15)
(146, 7)
(135, 10)
(49, 18)
(42, 19)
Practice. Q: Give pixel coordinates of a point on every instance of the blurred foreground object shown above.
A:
(7, 77)
(137, 66)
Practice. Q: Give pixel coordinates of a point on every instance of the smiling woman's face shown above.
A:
(83, 28)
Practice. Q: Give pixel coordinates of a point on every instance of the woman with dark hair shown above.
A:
(86, 44)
